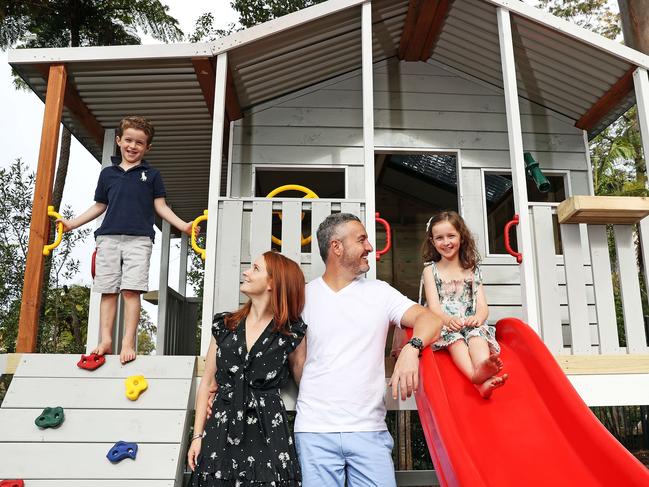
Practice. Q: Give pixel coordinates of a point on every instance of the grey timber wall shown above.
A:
(418, 106)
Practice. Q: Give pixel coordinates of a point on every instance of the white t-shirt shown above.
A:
(343, 382)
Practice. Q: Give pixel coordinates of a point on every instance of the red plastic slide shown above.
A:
(534, 431)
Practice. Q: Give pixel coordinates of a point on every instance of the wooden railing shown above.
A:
(589, 291)
(245, 230)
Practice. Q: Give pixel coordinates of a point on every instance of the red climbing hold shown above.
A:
(12, 483)
(91, 362)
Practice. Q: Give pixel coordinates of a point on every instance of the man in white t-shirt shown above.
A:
(340, 429)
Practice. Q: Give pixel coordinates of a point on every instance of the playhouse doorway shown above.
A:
(410, 187)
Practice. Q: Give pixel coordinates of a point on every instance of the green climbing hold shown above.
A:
(50, 418)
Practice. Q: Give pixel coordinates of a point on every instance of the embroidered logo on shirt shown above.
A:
(143, 176)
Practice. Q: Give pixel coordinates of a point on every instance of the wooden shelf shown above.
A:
(603, 210)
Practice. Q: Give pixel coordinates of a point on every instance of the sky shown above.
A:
(20, 138)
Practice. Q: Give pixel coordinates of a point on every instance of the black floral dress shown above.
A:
(247, 441)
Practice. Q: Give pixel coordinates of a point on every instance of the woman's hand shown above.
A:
(455, 324)
(194, 451)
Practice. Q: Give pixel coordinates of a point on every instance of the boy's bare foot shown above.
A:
(103, 348)
(486, 389)
(488, 368)
(127, 354)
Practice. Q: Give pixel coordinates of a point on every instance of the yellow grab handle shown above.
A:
(308, 193)
(195, 246)
(59, 232)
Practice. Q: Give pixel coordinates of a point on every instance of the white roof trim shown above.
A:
(574, 31)
(283, 23)
(109, 53)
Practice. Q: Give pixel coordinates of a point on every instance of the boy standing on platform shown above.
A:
(130, 192)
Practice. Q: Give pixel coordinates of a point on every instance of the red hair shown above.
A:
(287, 294)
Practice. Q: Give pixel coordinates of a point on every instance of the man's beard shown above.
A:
(352, 263)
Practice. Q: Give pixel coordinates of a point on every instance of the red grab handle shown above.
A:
(508, 247)
(388, 236)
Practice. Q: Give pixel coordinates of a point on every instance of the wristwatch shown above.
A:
(416, 343)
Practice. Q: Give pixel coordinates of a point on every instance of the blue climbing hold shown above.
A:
(122, 450)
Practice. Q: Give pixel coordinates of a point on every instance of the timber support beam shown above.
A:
(423, 25)
(39, 227)
(607, 102)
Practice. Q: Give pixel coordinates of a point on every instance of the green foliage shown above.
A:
(251, 12)
(16, 189)
(63, 23)
(594, 15)
(66, 314)
(146, 331)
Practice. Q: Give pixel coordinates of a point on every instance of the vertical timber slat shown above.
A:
(319, 211)
(630, 289)
(291, 229)
(549, 302)
(603, 287)
(576, 289)
(261, 223)
(229, 259)
(163, 334)
(39, 227)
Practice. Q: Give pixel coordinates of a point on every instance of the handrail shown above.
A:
(59, 231)
(388, 236)
(508, 247)
(195, 246)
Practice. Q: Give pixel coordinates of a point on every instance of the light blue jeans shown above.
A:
(364, 458)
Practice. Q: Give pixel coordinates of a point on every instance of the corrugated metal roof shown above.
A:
(555, 70)
(317, 51)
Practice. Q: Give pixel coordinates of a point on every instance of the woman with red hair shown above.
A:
(246, 441)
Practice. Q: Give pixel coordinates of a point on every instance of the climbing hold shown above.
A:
(12, 483)
(122, 450)
(50, 418)
(91, 362)
(135, 385)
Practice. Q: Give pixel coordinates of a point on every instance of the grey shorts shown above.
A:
(122, 262)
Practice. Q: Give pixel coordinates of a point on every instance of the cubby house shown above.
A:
(389, 107)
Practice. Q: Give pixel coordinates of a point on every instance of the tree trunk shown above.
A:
(62, 169)
(635, 28)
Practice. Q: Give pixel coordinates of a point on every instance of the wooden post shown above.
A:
(368, 128)
(524, 232)
(93, 336)
(216, 157)
(163, 290)
(39, 227)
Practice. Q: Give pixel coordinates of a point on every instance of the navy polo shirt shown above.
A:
(129, 196)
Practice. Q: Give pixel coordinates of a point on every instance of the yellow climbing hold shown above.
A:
(135, 385)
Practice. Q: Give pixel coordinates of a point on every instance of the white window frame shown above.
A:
(491, 258)
(445, 152)
(298, 167)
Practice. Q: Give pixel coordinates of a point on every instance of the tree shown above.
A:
(635, 23)
(251, 12)
(63, 323)
(73, 23)
(627, 157)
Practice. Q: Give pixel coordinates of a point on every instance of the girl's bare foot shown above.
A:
(486, 389)
(103, 348)
(127, 354)
(488, 368)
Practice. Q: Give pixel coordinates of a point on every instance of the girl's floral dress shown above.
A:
(459, 298)
(247, 440)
